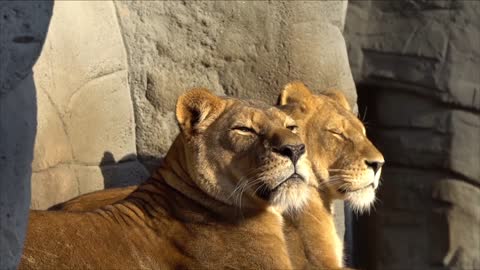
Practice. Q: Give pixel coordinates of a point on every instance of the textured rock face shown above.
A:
(85, 111)
(418, 62)
(109, 88)
(248, 50)
(22, 33)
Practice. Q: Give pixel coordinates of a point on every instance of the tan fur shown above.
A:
(212, 204)
(311, 237)
(339, 151)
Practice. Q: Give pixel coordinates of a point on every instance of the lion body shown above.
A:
(310, 234)
(190, 213)
(182, 235)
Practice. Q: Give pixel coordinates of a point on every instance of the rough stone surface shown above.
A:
(417, 66)
(248, 50)
(84, 103)
(65, 181)
(450, 134)
(23, 27)
(53, 185)
(434, 216)
(432, 50)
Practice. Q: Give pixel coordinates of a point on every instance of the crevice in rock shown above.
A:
(440, 96)
(60, 117)
(446, 173)
(127, 55)
(100, 76)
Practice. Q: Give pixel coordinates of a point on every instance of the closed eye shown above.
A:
(244, 130)
(293, 128)
(337, 133)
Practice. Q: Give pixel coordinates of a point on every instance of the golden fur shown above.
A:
(345, 162)
(212, 204)
(311, 237)
(346, 165)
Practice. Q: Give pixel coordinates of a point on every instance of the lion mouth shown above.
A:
(347, 190)
(265, 192)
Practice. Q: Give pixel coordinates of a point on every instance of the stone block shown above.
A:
(425, 46)
(101, 119)
(53, 185)
(327, 44)
(464, 222)
(53, 144)
(84, 101)
(429, 216)
(92, 178)
(72, 58)
(428, 134)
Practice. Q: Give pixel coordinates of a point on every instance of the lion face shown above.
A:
(344, 160)
(244, 152)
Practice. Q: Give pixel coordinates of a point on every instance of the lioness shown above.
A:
(342, 157)
(212, 204)
(346, 165)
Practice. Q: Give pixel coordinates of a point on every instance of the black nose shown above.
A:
(292, 151)
(375, 165)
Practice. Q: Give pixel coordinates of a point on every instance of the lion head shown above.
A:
(344, 160)
(243, 152)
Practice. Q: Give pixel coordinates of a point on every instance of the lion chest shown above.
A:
(243, 246)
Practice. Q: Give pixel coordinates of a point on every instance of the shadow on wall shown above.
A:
(23, 29)
(124, 172)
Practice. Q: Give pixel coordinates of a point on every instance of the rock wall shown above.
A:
(85, 110)
(107, 91)
(22, 34)
(243, 49)
(417, 66)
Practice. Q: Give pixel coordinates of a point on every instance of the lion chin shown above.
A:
(362, 199)
(345, 162)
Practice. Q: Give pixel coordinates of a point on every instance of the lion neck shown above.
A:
(174, 173)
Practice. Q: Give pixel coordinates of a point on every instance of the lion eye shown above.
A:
(337, 133)
(293, 128)
(244, 129)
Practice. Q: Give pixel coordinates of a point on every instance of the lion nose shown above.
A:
(292, 151)
(376, 165)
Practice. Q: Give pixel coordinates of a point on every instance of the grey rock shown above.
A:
(23, 26)
(427, 134)
(431, 216)
(417, 62)
(84, 103)
(53, 185)
(429, 48)
(454, 150)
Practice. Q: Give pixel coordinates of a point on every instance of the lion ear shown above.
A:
(339, 97)
(294, 92)
(197, 109)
